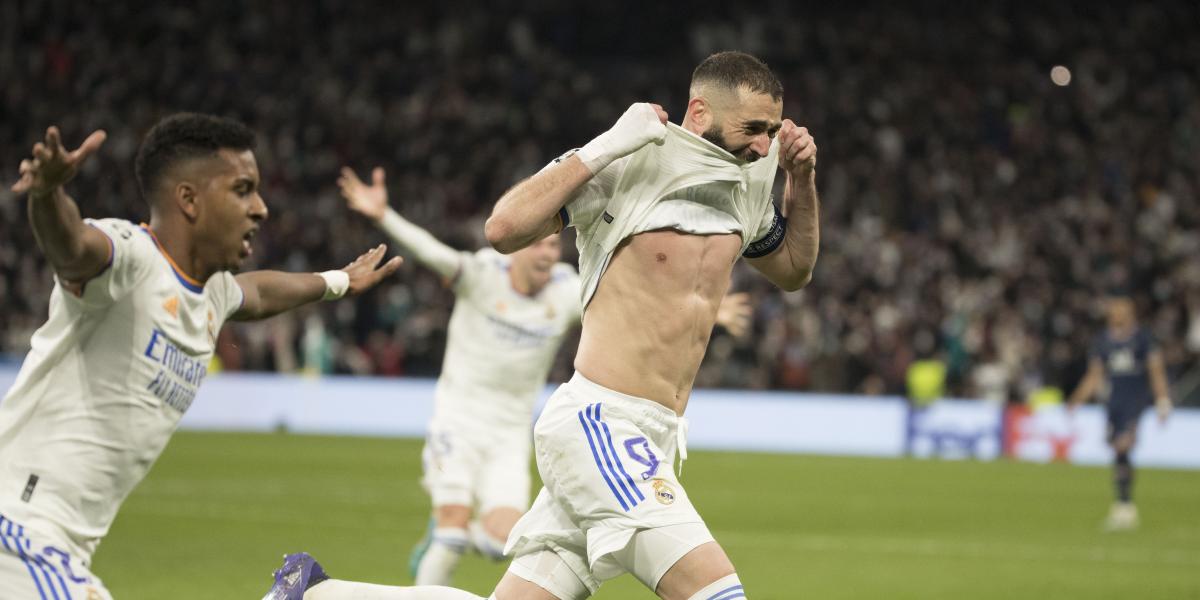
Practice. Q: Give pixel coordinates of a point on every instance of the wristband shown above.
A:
(336, 284)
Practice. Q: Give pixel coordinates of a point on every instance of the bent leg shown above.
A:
(1123, 444)
(705, 573)
(449, 541)
(542, 575)
(491, 533)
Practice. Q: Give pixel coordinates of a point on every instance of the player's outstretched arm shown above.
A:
(528, 211)
(734, 313)
(790, 266)
(1088, 385)
(268, 293)
(1158, 384)
(371, 201)
(77, 252)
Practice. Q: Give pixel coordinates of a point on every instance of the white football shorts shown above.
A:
(32, 568)
(611, 502)
(477, 467)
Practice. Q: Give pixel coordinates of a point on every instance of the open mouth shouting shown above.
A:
(249, 235)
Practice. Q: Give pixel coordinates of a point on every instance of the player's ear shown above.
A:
(185, 198)
(699, 114)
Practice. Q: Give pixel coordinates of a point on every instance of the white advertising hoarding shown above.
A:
(719, 420)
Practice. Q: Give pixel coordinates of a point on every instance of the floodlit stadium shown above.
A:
(435, 301)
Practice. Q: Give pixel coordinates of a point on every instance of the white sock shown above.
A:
(336, 589)
(728, 587)
(437, 566)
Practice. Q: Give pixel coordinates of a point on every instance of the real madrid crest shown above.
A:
(663, 492)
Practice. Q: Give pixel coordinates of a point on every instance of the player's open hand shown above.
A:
(797, 149)
(370, 201)
(1163, 407)
(52, 165)
(365, 272)
(735, 313)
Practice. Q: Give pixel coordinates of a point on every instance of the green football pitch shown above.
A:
(218, 510)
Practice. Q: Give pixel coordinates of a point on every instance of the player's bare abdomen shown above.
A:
(648, 324)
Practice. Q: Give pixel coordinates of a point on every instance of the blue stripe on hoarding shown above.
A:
(596, 456)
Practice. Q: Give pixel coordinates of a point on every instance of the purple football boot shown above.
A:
(298, 573)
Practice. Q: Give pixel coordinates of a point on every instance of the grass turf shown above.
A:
(217, 512)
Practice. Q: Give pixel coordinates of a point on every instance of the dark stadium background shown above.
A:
(974, 214)
(973, 210)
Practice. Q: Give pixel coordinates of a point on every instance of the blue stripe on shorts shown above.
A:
(599, 465)
(609, 458)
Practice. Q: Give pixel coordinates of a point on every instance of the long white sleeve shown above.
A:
(427, 249)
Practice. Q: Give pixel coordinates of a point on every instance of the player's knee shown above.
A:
(499, 522)
(698, 569)
(452, 515)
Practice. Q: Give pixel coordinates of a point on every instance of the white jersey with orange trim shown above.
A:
(107, 379)
(501, 343)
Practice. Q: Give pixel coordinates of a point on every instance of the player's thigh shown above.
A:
(542, 575)
(1122, 427)
(674, 559)
(700, 567)
(549, 551)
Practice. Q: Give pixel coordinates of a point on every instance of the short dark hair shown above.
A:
(733, 70)
(184, 136)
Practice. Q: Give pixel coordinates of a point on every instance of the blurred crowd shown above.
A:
(974, 212)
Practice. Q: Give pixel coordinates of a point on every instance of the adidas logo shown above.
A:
(172, 306)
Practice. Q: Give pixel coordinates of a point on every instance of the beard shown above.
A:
(713, 134)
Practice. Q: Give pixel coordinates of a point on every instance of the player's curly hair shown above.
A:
(732, 70)
(184, 136)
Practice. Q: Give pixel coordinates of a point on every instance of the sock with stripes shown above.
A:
(725, 588)
(440, 560)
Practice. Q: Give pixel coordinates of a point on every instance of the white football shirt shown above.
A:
(107, 379)
(501, 343)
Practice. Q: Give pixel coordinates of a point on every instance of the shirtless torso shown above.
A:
(647, 327)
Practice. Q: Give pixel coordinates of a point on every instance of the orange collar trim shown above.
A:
(184, 277)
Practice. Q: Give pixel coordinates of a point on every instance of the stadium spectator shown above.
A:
(967, 198)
